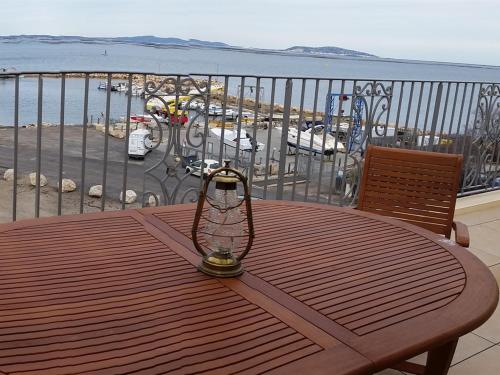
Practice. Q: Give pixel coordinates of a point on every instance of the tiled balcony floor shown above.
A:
(479, 351)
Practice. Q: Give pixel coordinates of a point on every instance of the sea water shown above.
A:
(38, 56)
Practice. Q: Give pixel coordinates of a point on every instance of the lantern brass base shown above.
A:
(217, 265)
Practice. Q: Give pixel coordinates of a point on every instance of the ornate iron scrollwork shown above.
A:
(166, 172)
(369, 102)
(481, 165)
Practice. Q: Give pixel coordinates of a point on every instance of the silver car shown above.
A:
(195, 167)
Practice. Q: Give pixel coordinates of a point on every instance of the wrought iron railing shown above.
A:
(260, 123)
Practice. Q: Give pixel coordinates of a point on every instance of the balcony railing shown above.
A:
(254, 121)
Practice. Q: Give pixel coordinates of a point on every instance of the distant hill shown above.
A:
(150, 40)
(145, 40)
(328, 51)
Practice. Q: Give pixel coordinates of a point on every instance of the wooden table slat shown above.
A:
(115, 293)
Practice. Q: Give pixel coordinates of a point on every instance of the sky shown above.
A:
(437, 30)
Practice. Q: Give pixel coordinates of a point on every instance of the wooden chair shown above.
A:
(414, 186)
(417, 187)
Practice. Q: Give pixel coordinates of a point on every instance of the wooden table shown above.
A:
(340, 292)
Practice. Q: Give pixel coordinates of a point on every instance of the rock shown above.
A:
(95, 191)
(68, 185)
(120, 134)
(130, 196)
(9, 175)
(32, 178)
(273, 168)
(259, 170)
(151, 201)
(99, 127)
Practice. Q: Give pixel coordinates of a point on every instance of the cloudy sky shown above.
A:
(440, 30)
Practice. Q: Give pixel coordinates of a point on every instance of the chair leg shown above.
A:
(439, 359)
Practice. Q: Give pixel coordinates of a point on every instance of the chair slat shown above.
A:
(414, 186)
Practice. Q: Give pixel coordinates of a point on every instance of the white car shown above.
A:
(195, 167)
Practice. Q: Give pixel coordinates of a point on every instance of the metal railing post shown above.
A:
(16, 148)
(39, 146)
(284, 138)
(435, 116)
(61, 145)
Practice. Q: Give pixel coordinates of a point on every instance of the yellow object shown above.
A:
(168, 100)
(218, 124)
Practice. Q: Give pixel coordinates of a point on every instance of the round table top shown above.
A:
(118, 292)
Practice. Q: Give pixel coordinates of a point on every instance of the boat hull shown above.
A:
(306, 149)
(231, 140)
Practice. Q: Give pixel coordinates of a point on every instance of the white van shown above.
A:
(140, 143)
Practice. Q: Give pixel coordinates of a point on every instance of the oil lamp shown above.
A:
(227, 227)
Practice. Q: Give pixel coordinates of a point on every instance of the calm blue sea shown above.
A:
(36, 56)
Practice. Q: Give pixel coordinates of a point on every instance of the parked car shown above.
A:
(208, 166)
(188, 160)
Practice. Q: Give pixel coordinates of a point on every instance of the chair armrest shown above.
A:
(461, 233)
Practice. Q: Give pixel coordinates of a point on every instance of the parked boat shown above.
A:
(317, 134)
(216, 111)
(195, 104)
(247, 143)
(136, 90)
(119, 87)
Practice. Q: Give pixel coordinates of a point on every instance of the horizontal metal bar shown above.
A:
(157, 74)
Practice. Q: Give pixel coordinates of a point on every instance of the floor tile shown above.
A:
(468, 346)
(480, 216)
(495, 270)
(485, 238)
(484, 363)
(389, 372)
(492, 224)
(485, 257)
(490, 330)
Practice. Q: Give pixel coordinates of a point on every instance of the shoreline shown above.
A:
(17, 39)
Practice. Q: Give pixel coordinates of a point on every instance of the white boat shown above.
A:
(120, 87)
(195, 104)
(215, 110)
(247, 143)
(317, 134)
(231, 114)
(425, 140)
(136, 90)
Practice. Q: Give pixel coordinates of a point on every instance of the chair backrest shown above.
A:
(415, 186)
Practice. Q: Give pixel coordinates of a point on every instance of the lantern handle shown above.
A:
(197, 217)
(248, 204)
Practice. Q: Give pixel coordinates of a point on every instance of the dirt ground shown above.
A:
(71, 169)
(70, 202)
